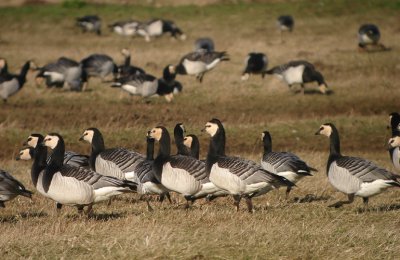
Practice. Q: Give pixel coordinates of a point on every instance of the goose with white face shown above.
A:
(324, 130)
(32, 141)
(24, 154)
(155, 133)
(51, 141)
(211, 128)
(187, 141)
(394, 142)
(87, 136)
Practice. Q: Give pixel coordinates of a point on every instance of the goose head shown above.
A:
(394, 142)
(125, 52)
(88, 134)
(325, 129)
(212, 127)
(394, 121)
(52, 140)
(187, 141)
(33, 140)
(25, 154)
(156, 133)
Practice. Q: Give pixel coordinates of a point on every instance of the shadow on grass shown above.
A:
(22, 215)
(310, 198)
(381, 208)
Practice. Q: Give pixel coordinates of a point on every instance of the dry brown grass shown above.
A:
(366, 91)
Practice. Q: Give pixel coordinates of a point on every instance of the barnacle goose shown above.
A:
(89, 23)
(10, 84)
(117, 162)
(352, 175)
(204, 44)
(369, 35)
(71, 158)
(99, 65)
(284, 164)
(11, 188)
(394, 151)
(193, 145)
(77, 186)
(158, 27)
(199, 62)
(63, 72)
(127, 69)
(299, 72)
(125, 28)
(256, 63)
(240, 177)
(285, 23)
(179, 173)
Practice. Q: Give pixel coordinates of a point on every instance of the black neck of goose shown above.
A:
(150, 149)
(97, 147)
(180, 69)
(334, 145)
(267, 141)
(178, 135)
(167, 76)
(195, 149)
(165, 146)
(57, 157)
(39, 162)
(319, 78)
(22, 75)
(127, 62)
(216, 149)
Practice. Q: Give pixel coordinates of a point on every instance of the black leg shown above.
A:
(365, 200)
(302, 88)
(249, 204)
(149, 208)
(89, 210)
(80, 209)
(341, 203)
(288, 189)
(237, 199)
(58, 206)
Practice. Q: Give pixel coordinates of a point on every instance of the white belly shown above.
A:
(224, 179)
(194, 67)
(207, 188)
(155, 29)
(151, 188)
(293, 75)
(54, 76)
(366, 39)
(291, 176)
(9, 88)
(106, 193)
(179, 180)
(369, 189)
(213, 64)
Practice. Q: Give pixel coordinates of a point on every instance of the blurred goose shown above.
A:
(256, 63)
(158, 27)
(11, 188)
(299, 72)
(241, 178)
(89, 23)
(283, 164)
(125, 28)
(71, 158)
(369, 35)
(199, 62)
(77, 186)
(10, 84)
(179, 173)
(206, 44)
(394, 151)
(3, 67)
(352, 175)
(285, 23)
(117, 162)
(127, 69)
(99, 65)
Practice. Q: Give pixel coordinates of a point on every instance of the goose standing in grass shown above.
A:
(369, 35)
(116, 162)
(77, 186)
(99, 65)
(127, 69)
(11, 84)
(240, 177)
(299, 72)
(352, 175)
(158, 27)
(11, 188)
(256, 63)
(284, 164)
(206, 44)
(199, 62)
(89, 23)
(125, 28)
(394, 151)
(71, 158)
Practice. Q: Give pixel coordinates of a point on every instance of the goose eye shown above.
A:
(86, 133)
(29, 139)
(322, 128)
(391, 141)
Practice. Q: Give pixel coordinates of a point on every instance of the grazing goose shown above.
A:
(284, 164)
(10, 84)
(299, 72)
(256, 63)
(241, 178)
(369, 35)
(179, 173)
(285, 23)
(99, 65)
(117, 162)
(71, 158)
(89, 23)
(125, 28)
(351, 175)
(199, 62)
(77, 186)
(158, 27)
(394, 151)
(206, 44)
(11, 188)
(127, 69)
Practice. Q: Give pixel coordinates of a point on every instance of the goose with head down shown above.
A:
(352, 175)
(11, 84)
(240, 177)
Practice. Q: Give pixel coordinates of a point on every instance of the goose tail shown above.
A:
(131, 185)
(312, 169)
(224, 56)
(26, 193)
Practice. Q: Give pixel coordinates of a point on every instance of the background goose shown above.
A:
(394, 151)
(117, 162)
(11, 188)
(99, 65)
(239, 177)
(199, 62)
(10, 84)
(206, 44)
(3, 67)
(285, 23)
(352, 175)
(256, 63)
(125, 28)
(158, 27)
(284, 164)
(77, 186)
(89, 23)
(127, 69)
(71, 158)
(369, 35)
(299, 72)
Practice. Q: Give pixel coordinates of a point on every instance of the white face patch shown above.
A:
(32, 141)
(183, 128)
(24, 154)
(325, 130)
(2, 63)
(88, 136)
(245, 76)
(156, 133)
(125, 52)
(262, 136)
(187, 141)
(51, 141)
(171, 69)
(394, 142)
(211, 128)
(323, 88)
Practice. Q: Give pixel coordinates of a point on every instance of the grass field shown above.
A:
(366, 90)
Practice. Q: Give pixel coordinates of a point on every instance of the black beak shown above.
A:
(148, 134)
(25, 143)
(203, 130)
(387, 127)
(317, 133)
(18, 158)
(81, 138)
